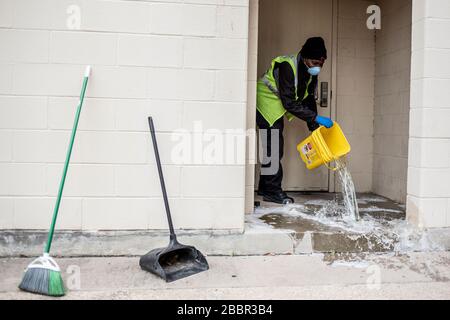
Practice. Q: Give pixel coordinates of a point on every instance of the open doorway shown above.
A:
(283, 27)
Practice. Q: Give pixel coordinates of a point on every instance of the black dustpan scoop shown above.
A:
(176, 261)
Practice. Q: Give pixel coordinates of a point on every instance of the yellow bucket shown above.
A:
(323, 146)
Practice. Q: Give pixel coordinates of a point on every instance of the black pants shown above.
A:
(271, 183)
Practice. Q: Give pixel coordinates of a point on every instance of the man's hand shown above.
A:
(324, 121)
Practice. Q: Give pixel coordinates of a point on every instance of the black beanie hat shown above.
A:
(314, 48)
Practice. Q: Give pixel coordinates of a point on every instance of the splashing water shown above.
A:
(395, 235)
(348, 191)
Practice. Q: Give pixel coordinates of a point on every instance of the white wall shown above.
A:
(252, 77)
(178, 61)
(355, 88)
(428, 202)
(392, 90)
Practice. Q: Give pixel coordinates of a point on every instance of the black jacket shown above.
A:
(303, 109)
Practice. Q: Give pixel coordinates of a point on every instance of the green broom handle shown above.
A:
(66, 164)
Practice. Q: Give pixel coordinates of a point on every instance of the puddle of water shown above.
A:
(382, 233)
(397, 235)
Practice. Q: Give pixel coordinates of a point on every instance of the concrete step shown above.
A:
(270, 230)
(254, 241)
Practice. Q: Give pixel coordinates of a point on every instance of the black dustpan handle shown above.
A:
(173, 237)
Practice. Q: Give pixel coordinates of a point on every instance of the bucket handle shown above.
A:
(331, 168)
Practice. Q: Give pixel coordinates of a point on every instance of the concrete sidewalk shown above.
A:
(386, 276)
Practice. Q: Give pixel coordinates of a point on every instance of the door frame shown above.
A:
(333, 92)
(333, 85)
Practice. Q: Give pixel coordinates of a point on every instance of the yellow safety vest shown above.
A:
(268, 100)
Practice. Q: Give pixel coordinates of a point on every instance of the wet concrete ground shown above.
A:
(318, 215)
(382, 209)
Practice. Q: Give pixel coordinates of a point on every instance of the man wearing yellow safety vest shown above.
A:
(287, 89)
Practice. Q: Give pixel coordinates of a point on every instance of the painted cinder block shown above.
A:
(213, 181)
(176, 84)
(116, 16)
(243, 3)
(34, 14)
(214, 53)
(251, 105)
(6, 146)
(428, 182)
(113, 140)
(39, 146)
(89, 147)
(249, 199)
(186, 19)
(36, 213)
(19, 179)
(214, 115)
(174, 148)
(428, 204)
(149, 50)
(428, 213)
(111, 147)
(6, 71)
(83, 48)
(353, 10)
(429, 93)
(132, 115)
(7, 213)
(116, 214)
(430, 63)
(199, 20)
(18, 112)
(118, 82)
(212, 214)
(429, 153)
(363, 181)
(233, 22)
(158, 14)
(24, 45)
(353, 28)
(143, 180)
(228, 86)
(47, 79)
(204, 79)
(164, 83)
(433, 9)
(82, 180)
(97, 114)
(6, 13)
(429, 123)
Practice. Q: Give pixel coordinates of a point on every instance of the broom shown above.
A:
(43, 275)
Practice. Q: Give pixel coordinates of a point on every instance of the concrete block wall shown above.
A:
(428, 201)
(392, 90)
(252, 78)
(179, 61)
(355, 88)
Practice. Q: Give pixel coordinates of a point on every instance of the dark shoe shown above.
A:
(278, 197)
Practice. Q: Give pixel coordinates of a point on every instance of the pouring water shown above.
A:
(348, 190)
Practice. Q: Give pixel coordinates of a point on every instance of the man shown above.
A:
(287, 88)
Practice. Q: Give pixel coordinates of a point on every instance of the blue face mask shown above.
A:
(314, 71)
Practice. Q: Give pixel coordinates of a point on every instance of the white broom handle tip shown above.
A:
(88, 71)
